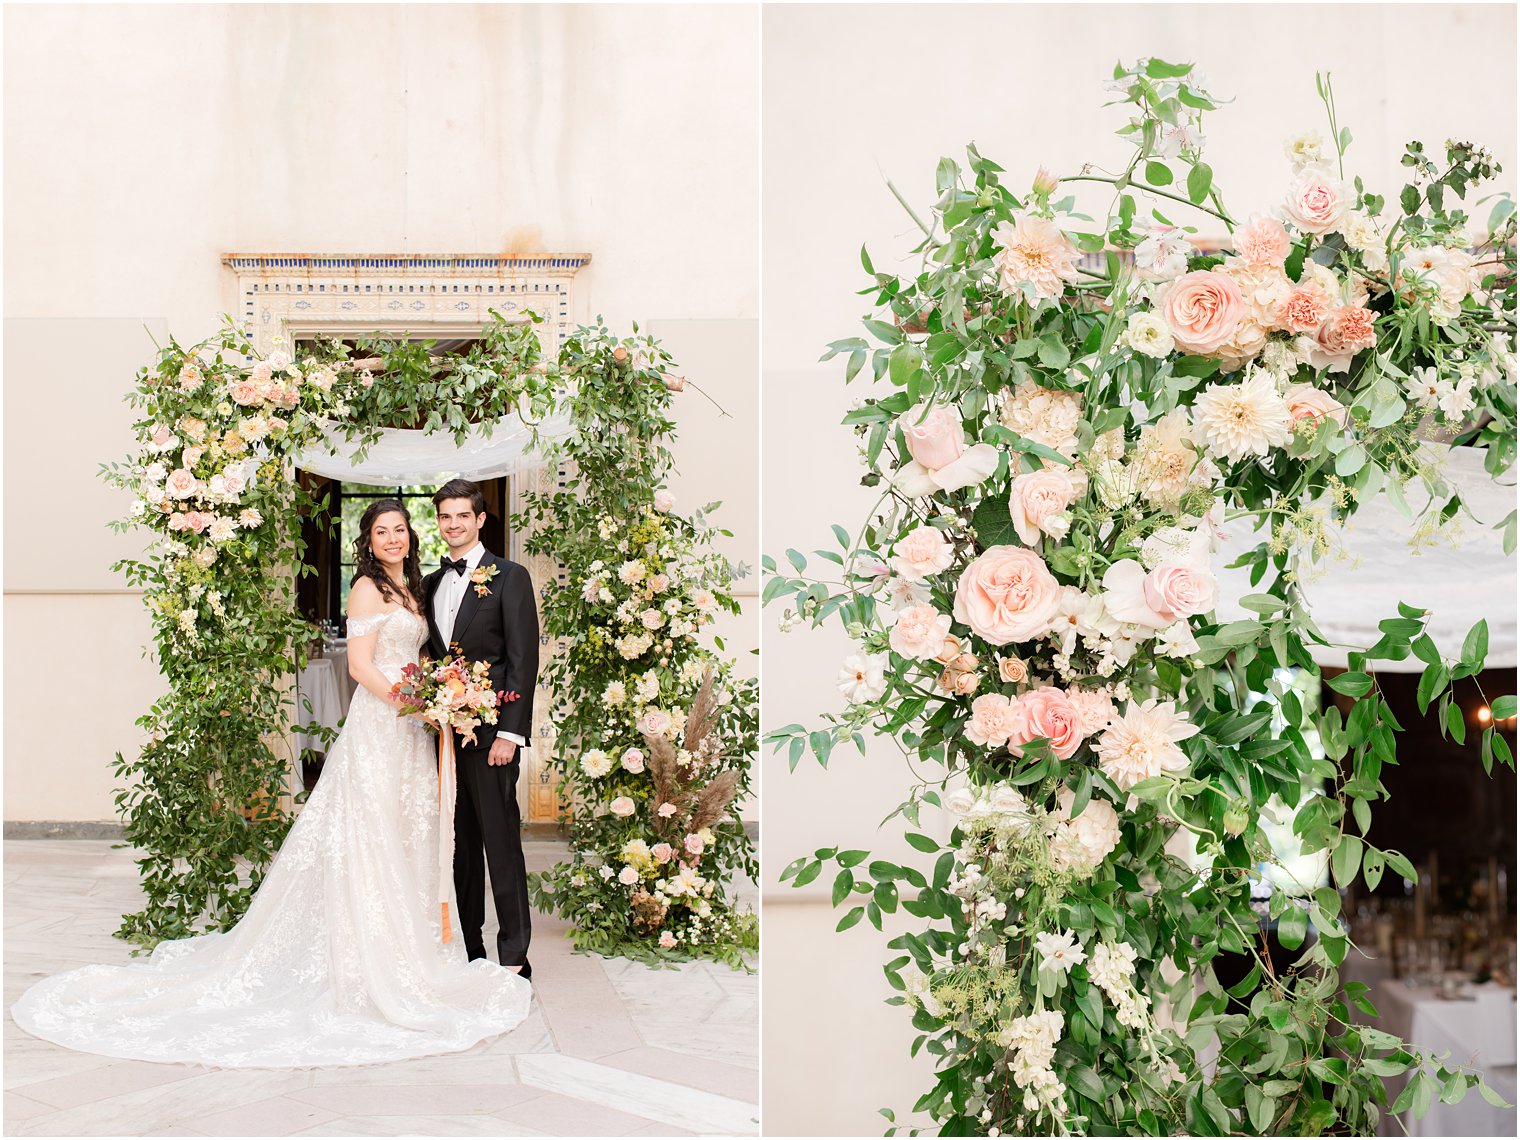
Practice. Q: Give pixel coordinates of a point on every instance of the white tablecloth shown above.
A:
(338, 655)
(1478, 1030)
(317, 687)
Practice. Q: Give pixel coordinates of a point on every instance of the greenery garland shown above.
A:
(1034, 610)
(216, 427)
(655, 844)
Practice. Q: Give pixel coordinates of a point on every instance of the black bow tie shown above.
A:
(459, 565)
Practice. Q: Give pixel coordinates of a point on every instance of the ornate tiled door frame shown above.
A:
(281, 297)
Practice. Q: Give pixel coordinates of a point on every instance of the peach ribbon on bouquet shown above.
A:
(447, 793)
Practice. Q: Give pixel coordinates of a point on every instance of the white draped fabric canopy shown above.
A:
(399, 457)
(1459, 573)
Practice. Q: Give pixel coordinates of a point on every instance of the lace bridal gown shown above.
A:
(339, 960)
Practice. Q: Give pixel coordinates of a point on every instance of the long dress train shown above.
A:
(339, 960)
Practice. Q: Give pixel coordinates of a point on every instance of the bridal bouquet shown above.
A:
(452, 693)
(1069, 415)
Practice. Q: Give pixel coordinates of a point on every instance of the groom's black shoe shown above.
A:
(526, 973)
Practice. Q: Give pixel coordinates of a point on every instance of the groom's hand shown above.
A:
(502, 752)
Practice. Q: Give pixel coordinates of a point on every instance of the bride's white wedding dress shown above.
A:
(339, 960)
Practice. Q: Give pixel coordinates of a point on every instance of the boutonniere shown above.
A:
(482, 576)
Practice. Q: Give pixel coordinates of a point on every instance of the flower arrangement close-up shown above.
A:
(1110, 459)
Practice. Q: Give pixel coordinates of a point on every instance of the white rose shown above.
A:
(960, 802)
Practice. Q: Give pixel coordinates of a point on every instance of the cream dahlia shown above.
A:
(1236, 420)
(1034, 251)
(1142, 743)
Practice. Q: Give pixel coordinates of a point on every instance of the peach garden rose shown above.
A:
(1007, 595)
(1202, 309)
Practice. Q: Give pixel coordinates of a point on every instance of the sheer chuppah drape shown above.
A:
(340, 959)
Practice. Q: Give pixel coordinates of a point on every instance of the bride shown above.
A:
(340, 959)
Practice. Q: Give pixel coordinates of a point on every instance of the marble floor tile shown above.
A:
(277, 1116)
(661, 1130)
(418, 1126)
(659, 1101)
(109, 1080)
(456, 1069)
(19, 1107)
(144, 1112)
(739, 1082)
(430, 1100)
(556, 1115)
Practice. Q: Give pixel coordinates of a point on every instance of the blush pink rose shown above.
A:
(664, 501)
(1316, 203)
(694, 845)
(1159, 598)
(244, 393)
(919, 632)
(654, 723)
(1048, 713)
(1180, 590)
(1263, 243)
(662, 852)
(261, 372)
(1203, 310)
(177, 521)
(1037, 496)
(934, 438)
(922, 551)
(633, 761)
(628, 876)
(181, 484)
(197, 521)
(993, 720)
(1006, 595)
(1306, 402)
(622, 806)
(667, 940)
(233, 483)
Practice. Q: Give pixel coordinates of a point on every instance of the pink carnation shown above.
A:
(1263, 243)
(993, 720)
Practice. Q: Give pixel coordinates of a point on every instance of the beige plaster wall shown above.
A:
(144, 142)
(856, 96)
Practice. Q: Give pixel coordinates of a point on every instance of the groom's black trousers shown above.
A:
(486, 815)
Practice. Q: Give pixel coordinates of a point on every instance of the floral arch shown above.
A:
(219, 426)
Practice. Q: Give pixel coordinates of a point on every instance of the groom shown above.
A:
(483, 607)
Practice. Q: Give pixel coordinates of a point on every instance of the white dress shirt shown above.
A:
(446, 602)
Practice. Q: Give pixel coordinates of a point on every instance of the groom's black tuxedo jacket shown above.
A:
(500, 628)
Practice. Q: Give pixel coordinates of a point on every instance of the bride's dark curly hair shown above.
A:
(368, 566)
